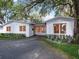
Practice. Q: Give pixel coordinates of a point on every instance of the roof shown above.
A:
(41, 24)
(19, 21)
(61, 17)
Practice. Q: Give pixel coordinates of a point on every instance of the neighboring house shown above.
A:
(18, 27)
(60, 26)
(55, 26)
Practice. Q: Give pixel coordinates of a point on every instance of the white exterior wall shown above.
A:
(40, 33)
(69, 27)
(1, 29)
(30, 30)
(15, 28)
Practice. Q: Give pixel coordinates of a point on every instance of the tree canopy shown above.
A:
(5, 6)
(61, 7)
(45, 6)
(64, 7)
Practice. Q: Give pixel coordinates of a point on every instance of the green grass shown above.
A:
(70, 49)
(9, 36)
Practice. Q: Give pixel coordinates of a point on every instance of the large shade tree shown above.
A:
(59, 5)
(64, 7)
(17, 12)
(46, 6)
(5, 6)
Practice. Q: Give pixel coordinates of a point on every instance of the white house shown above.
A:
(60, 26)
(18, 27)
(55, 26)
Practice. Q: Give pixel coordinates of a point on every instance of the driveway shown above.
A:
(28, 49)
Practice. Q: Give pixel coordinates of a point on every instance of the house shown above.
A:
(55, 26)
(18, 27)
(60, 26)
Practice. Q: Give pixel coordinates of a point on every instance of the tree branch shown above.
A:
(32, 4)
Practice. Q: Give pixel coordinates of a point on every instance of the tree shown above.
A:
(35, 17)
(59, 6)
(47, 5)
(76, 7)
(5, 6)
(18, 12)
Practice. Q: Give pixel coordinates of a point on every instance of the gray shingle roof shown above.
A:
(61, 17)
(19, 21)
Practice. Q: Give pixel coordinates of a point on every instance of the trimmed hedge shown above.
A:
(11, 36)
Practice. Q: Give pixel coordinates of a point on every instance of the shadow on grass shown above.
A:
(70, 49)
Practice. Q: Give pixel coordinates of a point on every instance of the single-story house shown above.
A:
(18, 27)
(55, 26)
(60, 26)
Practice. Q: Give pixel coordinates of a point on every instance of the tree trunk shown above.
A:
(76, 7)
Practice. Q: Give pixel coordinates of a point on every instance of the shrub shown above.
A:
(61, 38)
(11, 36)
(76, 39)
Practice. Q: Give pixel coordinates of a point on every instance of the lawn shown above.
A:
(70, 49)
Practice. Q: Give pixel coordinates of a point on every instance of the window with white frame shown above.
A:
(59, 28)
(8, 28)
(22, 28)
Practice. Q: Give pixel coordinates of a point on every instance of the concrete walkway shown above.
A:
(28, 49)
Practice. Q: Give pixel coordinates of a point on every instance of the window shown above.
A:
(39, 29)
(42, 29)
(60, 28)
(56, 28)
(8, 28)
(22, 28)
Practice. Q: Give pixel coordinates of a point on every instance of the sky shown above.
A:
(47, 17)
(15, 0)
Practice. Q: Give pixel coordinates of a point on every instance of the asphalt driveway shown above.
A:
(27, 49)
